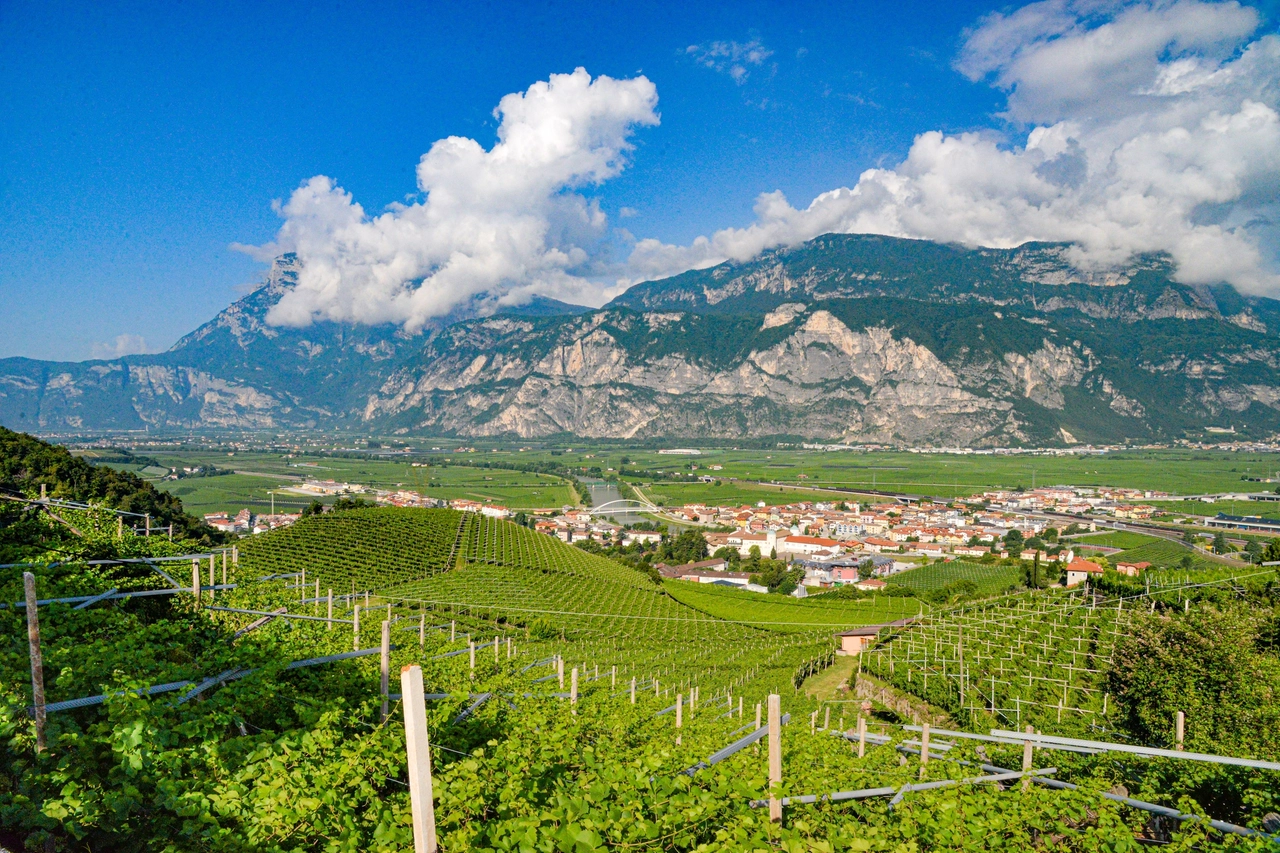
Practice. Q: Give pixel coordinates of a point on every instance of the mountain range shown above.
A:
(852, 338)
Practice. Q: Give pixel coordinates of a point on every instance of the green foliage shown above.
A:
(1218, 665)
(987, 580)
(829, 611)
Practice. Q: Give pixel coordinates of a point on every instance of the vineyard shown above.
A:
(990, 580)
(573, 705)
(783, 613)
(1026, 659)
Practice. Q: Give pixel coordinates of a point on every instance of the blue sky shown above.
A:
(139, 142)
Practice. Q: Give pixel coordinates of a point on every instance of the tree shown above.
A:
(1220, 543)
(1254, 549)
(1272, 552)
(1189, 536)
(731, 555)
(689, 547)
(344, 503)
(313, 508)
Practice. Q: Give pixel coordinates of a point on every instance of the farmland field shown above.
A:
(288, 737)
(990, 580)
(275, 472)
(1114, 539)
(783, 613)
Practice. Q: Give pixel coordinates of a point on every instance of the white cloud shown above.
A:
(730, 57)
(496, 225)
(123, 345)
(1145, 127)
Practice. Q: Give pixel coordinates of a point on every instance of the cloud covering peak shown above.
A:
(1147, 127)
(498, 225)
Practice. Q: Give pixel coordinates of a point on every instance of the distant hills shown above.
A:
(856, 338)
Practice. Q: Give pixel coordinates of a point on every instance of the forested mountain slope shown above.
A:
(853, 337)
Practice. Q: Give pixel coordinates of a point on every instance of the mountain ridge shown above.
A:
(847, 337)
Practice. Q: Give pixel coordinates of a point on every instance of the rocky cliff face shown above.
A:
(856, 338)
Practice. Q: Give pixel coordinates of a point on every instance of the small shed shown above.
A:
(853, 642)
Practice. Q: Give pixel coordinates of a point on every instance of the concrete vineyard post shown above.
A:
(224, 568)
(329, 625)
(613, 678)
(775, 756)
(471, 647)
(418, 749)
(813, 722)
(560, 671)
(388, 611)
(1027, 758)
(573, 690)
(633, 690)
(508, 648)
(657, 692)
(316, 607)
(453, 630)
(757, 716)
(355, 629)
(1179, 729)
(302, 587)
(119, 527)
(171, 532)
(235, 550)
(195, 581)
(385, 664)
(496, 646)
(422, 632)
(924, 748)
(739, 707)
(862, 736)
(212, 580)
(148, 528)
(37, 661)
(679, 716)
(826, 721)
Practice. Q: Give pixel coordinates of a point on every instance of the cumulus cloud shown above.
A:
(495, 225)
(730, 57)
(1145, 127)
(123, 345)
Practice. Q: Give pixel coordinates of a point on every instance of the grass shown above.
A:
(1176, 471)
(825, 685)
(733, 494)
(1116, 539)
(990, 580)
(272, 471)
(783, 613)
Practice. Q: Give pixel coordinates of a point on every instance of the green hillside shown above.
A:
(989, 580)
(784, 613)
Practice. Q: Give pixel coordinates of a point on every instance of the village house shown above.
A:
(1132, 569)
(1079, 571)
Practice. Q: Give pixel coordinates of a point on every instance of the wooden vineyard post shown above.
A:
(739, 707)
(775, 756)
(924, 748)
(693, 699)
(453, 630)
(148, 528)
(657, 693)
(195, 581)
(613, 677)
(679, 716)
(418, 747)
(862, 736)
(329, 625)
(757, 716)
(1026, 759)
(119, 527)
(471, 647)
(385, 663)
(508, 648)
(422, 631)
(37, 661)
(388, 611)
(355, 629)
(235, 549)
(813, 722)
(826, 721)
(573, 691)
(633, 690)
(171, 532)
(560, 672)
(1179, 729)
